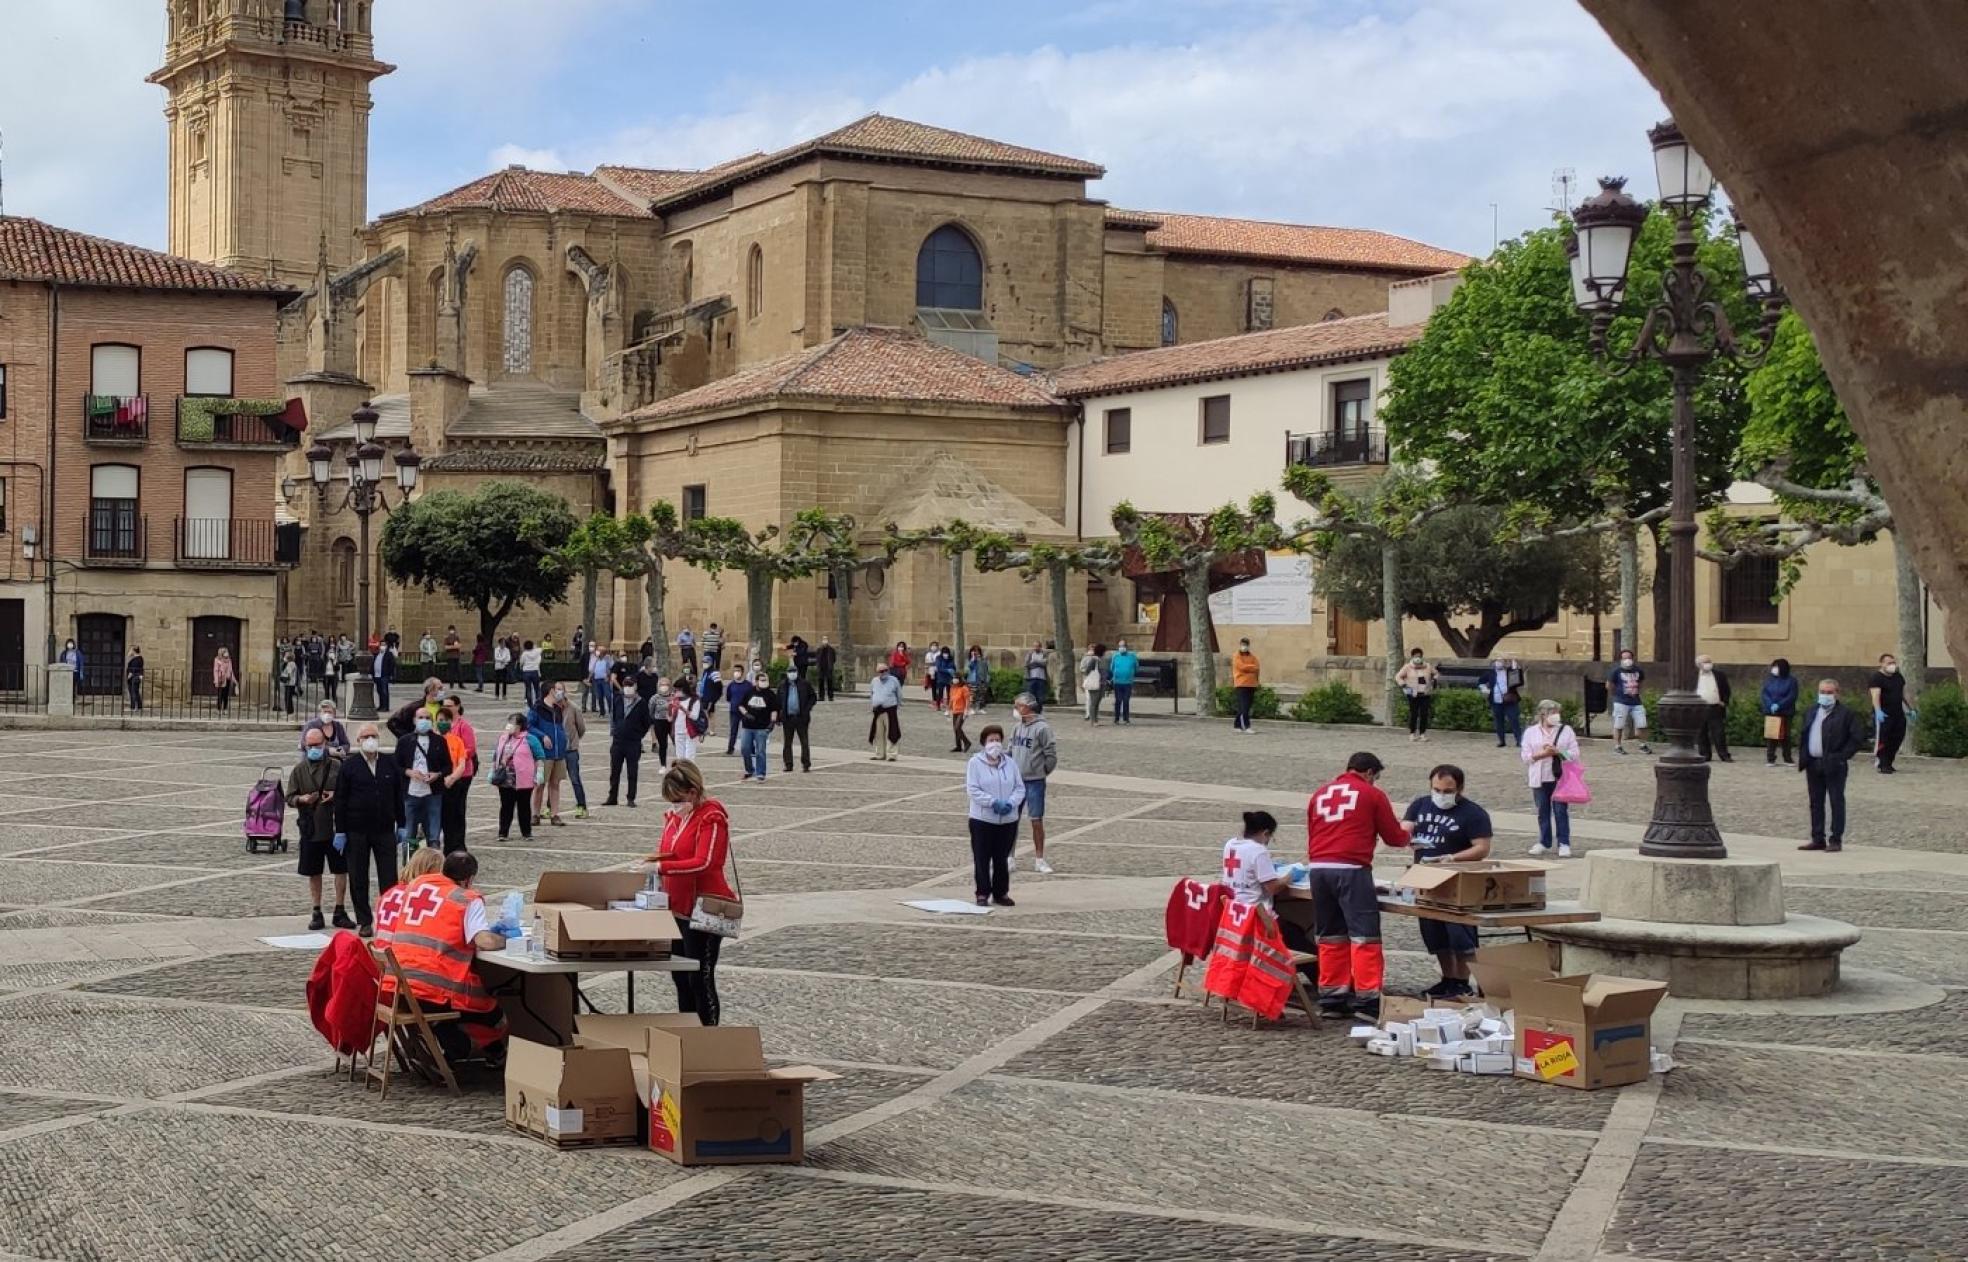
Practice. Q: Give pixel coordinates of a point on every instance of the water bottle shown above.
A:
(536, 944)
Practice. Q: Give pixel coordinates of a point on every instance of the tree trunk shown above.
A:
(1912, 604)
(1458, 642)
(759, 586)
(1628, 537)
(1066, 687)
(590, 601)
(1195, 584)
(1390, 614)
(659, 634)
(844, 627)
(961, 647)
(1663, 600)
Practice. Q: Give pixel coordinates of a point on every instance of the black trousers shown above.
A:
(697, 992)
(825, 685)
(990, 856)
(660, 734)
(801, 725)
(622, 759)
(1713, 739)
(1419, 707)
(1892, 734)
(1825, 782)
(515, 802)
(453, 815)
(363, 846)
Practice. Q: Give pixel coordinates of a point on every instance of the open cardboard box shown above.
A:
(1585, 1031)
(571, 1097)
(1498, 969)
(1489, 885)
(576, 923)
(711, 1098)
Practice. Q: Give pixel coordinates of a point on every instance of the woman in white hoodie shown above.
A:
(996, 789)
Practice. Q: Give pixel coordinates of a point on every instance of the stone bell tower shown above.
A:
(269, 119)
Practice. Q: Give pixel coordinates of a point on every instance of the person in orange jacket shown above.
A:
(1243, 680)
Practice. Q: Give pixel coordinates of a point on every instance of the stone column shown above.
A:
(61, 689)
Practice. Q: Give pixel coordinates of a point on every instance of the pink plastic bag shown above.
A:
(1571, 787)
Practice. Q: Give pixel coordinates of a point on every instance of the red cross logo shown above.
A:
(1335, 802)
(1197, 896)
(390, 906)
(421, 905)
(1231, 863)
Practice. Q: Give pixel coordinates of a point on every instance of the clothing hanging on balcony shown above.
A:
(101, 406)
(133, 412)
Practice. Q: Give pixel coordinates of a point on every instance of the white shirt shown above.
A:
(1706, 689)
(529, 659)
(1814, 743)
(420, 763)
(502, 657)
(1247, 866)
(477, 919)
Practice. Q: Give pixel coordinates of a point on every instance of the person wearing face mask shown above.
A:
(797, 697)
(1712, 686)
(1121, 670)
(1629, 709)
(1244, 676)
(369, 806)
(1889, 711)
(573, 725)
(1446, 827)
(515, 770)
(1503, 688)
(224, 679)
(425, 760)
(543, 723)
(977, 673)
(71, 657)
(657, 693)
(1418, 680)
(1831, 735)
(628, 725)
(1343, 818)
(133, 677)
(1779, 702)
(311, 789)
(1093, 682)
(462, 744)
(334, 735)
(1248, 868)
(755, 720)
(736, 695)
(1547, 744)
(996, 790)
(885, 713)
(689, 720)
(691, 857)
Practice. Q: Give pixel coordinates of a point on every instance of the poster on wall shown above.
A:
(1282, 598)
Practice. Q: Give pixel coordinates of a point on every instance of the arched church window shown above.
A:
(519, 322)
(343, 553)
(950, 271)
(754, 282)
(1169, 326)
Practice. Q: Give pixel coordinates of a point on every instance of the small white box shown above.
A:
(1659, 1062)
(652, 900)
(1486, 1063)
(623, 904)
(1430, 1034)
(1452, 1016)
(1404, 1039)
(1382, 1047)
(1446, 1063)
(1363, 1034)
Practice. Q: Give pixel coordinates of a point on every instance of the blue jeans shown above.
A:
(601, 696)
(1550, 812)
(1507, 714)
(753, 742)
(424, 815)
(573, 760)
(1123, 695)
(731, 737)
(531, 679)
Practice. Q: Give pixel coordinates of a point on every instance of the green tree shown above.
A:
(1504, 396)
(489, 550)
(997, 553)
(600, 545)
(816, 542)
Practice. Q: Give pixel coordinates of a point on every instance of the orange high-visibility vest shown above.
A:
(388, 908)
(1249, 964)
(429, 941)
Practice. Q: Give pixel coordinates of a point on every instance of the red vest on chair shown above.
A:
(1251, 964)
(341, 993)
(1190, 919)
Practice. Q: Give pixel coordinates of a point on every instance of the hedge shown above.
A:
(1264, 704)
(1942, 731)
(1335, 702)
(1006, 683)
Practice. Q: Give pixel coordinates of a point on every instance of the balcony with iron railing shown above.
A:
(1335, 448)
(115, 534)
(224, 543)
(116, 420)
(203, 423)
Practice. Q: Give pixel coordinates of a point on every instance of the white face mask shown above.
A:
(1891, 668)
(1706, 668)
(1553, 720)
(1443, 800)
(1775, 671)
(368, 744)
(994, 750)
(1626, 661)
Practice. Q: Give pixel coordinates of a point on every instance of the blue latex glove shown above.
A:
(341, 842)
(1000, 807)
(1878, 716)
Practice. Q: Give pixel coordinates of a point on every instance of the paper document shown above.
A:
(947, 907)
(298, 941)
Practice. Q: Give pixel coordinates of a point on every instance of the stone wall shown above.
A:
(1212, 297)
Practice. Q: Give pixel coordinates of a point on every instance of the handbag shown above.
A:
(720, 916)
(1571, 788)
(501, 772)
(1773, 727)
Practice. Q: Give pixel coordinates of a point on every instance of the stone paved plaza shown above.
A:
(1014, 1086)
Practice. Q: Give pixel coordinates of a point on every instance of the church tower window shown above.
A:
(949, 271)
(754, 282)
(519, 322)
(1169, 325)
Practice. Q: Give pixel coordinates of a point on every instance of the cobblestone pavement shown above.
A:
(1018, 1086)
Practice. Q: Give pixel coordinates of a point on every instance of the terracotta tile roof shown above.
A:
(516, 460)
(1132, 219)
(651, 184)
(518, 189)
(35, 251)
(1289, 242)
(864, 363)
(1357, 337)
(880, 136)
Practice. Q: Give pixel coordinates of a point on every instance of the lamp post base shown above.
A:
(362, 697)
(1683, 825)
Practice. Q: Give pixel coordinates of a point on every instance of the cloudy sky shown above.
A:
(1413, 116)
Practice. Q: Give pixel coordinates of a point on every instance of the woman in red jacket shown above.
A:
(691, 858)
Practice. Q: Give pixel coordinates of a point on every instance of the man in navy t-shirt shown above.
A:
(1447, 827)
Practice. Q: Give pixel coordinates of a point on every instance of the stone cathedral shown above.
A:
(863, 319)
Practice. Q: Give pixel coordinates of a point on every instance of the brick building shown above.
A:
(144, 420)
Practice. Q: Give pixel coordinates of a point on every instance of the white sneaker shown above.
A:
(1040, 865)
(1011, 864)
(1540, 849)
(1564, 852)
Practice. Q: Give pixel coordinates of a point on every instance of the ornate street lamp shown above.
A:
(1685, 328)
(366, 494)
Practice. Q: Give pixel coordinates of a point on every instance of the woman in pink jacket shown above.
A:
(513, 767)
(223, 679)
(1547, 745)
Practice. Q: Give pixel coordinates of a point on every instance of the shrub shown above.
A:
(1456, 710)
(1942, 731)
(1264, 703)
(1335, 702)
(1006, 684)
(778, 668)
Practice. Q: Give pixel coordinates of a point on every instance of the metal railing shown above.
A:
(113, 536)
(224, 541)
(1343, 447)
(238, 430)
(116, 418)
(23, 688)
(104, 689)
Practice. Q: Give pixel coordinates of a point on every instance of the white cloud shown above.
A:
(533, 159)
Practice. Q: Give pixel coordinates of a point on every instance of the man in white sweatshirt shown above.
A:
(1037, 755)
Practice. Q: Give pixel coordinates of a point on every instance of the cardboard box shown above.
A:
(1585, 1031)
(570, 1097)
(576, 923)
(1491, 885)
(1498, 969)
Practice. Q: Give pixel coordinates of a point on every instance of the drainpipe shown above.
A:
(48, 482)
(1079, 478)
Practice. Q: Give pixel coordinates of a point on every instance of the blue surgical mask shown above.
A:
(316, 753)
(423, 725)
(1827, 700)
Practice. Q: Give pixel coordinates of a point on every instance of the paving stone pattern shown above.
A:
(937, 954)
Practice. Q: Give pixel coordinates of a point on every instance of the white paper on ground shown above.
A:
(947, 907)
(298, 941)
(562, 1121)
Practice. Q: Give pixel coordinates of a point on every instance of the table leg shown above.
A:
(631, 976)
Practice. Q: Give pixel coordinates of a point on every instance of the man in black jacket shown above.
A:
(825, 661)
(368, 811)
(1713, 687)
(796, 701)
(628, 727)
(1831, 734)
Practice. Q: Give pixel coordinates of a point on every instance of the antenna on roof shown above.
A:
(1563, 180)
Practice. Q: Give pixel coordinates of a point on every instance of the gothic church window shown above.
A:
(343, 552)
(1168, 323)
(754, 282)
(949, 271)
(519, 322)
